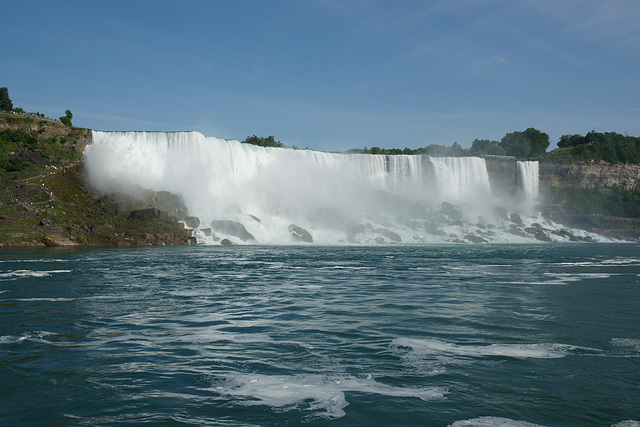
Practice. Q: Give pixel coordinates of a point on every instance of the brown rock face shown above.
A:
(152, 213)
(590, 175)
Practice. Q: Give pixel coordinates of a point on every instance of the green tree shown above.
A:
(5, 101)
(538, 141)
(567, 141)
(530, 143)
(516, 144)
(66, 119)
(263, 142)
(487, 147)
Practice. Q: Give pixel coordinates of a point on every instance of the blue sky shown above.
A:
(329, 74)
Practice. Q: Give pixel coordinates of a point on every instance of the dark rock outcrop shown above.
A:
(152, 213)
(192, 221)
(232, 228)
(299, 234)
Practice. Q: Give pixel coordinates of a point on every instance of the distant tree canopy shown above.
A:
(263, 142)
(66, 119)
(435, 150)
(609, 146)
(527, 144)
(532, 144)
(5, 101)
(481, 147)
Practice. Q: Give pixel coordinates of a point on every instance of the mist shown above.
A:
(337, 198)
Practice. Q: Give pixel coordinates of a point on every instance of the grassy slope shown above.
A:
(47, 203)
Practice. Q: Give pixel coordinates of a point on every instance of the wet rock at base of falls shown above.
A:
(475, 239)
(542, 236)
(153, 213)
(450, 211)
(516, 231)
(391, 235)
(232, 228)
(170, 202)
(567, 234)
(516, 219)
(299, 234)
(208, 232)
(192, 221)
(226, 242)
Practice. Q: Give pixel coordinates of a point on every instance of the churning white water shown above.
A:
(356, 198)
(527, 176)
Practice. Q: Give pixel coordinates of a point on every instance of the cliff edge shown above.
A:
(44, 200)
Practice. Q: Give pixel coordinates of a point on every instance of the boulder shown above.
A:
(152, 213)
(167, 201)
(475, 239)
(516, 219)
(57, 240)
(542, 236)
(232, 228)
(192, 221)
(299, 234)
(450, 211)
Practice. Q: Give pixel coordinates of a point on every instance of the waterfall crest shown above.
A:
(351, 198)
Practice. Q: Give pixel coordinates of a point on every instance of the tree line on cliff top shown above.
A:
(532, 144)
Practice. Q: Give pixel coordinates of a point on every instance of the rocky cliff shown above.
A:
(44, 200)
(590, 176)
(580, 175)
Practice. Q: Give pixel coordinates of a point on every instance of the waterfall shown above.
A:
(461, 177)
(336, 197)
(527, 179)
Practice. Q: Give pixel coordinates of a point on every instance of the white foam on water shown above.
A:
(493, 422)
(32, 260)
(37, 336)
(320, 394)
(18, 274)
(45, 299)
(600, 263)
(519, 351)
(563, 278)
(633, 343)
(627, 423)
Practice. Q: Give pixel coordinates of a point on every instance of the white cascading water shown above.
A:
(527, 179)
(462, 178)
(354, 198)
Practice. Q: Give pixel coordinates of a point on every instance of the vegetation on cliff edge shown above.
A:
(44, 200)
